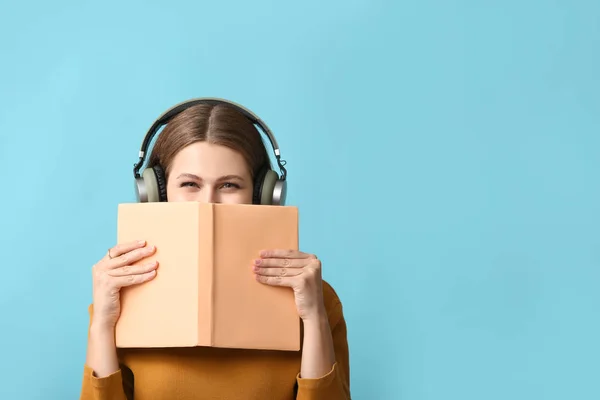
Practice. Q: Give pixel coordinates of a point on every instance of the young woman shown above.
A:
(211, 151)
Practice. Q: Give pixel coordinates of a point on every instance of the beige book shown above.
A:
(205, 292)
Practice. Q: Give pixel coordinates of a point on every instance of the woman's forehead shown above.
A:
(208, 160)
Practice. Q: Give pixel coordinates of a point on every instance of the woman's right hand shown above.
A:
(114, 271)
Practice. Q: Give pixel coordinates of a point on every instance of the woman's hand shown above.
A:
(297, 270)
(114, 271)
(302, 272)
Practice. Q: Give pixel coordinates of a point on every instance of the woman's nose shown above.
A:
(208, 195)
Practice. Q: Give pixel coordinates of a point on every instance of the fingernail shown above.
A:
(141, 242)
(257, 262)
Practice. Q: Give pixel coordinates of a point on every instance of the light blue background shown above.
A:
(444, 156)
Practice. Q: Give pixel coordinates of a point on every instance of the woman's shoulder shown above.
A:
(331, 300)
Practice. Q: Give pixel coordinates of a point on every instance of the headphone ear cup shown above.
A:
(161, 181)
(258, 181)
(264, 187)
(279, 193)
(154, 184)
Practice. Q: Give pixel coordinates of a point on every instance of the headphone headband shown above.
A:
(176, 109)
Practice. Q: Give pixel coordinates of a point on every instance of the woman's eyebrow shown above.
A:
(231, 177)
(189, 176)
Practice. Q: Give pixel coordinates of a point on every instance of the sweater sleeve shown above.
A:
(335, 385)
(105, 388)
(117, 386)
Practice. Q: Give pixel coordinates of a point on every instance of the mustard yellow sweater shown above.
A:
(211, 373)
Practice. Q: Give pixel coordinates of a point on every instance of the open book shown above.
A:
(205, 292)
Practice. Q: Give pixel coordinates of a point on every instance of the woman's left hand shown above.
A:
(297, 270)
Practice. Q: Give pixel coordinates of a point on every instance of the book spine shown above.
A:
(211, 268)
(205, 257)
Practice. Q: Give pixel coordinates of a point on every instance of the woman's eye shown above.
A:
(229, 185)
(189, 184)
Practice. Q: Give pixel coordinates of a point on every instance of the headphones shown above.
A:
(151, 186)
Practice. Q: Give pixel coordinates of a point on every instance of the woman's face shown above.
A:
(209, 173)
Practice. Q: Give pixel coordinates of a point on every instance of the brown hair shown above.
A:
(216, 124)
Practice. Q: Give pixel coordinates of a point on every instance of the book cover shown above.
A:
(205, 292)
